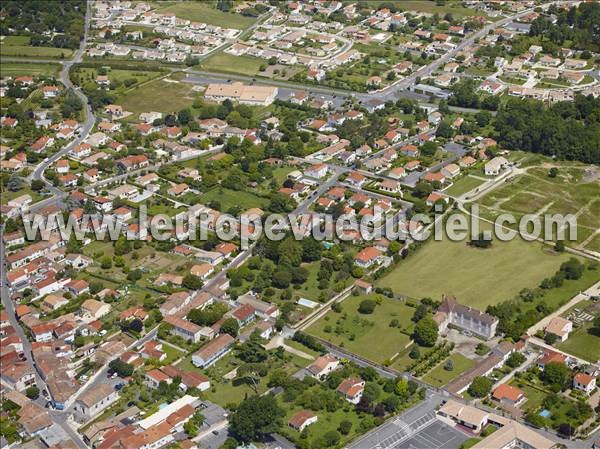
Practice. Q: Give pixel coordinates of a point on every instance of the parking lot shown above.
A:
(436, 435)
(415, 428)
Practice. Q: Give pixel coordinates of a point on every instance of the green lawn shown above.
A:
(367, 335)
(172, 353)
(206, 12)
(464, 185)
(477, 277)
(583, 343)
(229, 198)
(223, 62)
(439, 377)
(35, 52)
(158, 95)
(16, 40)
(534, 396)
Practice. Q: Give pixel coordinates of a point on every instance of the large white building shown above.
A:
(242, 93)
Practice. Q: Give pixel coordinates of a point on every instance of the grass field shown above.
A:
(451, 6)
(477, 277)
(15, 40)
(367, 335)
(464, 185)
(439, 377)
(223, 62)
(158, 95)
(116, 75)
(206, 12)
(35, 52)
(571, 192)
(229, 198)
(24, 68)
(583, 343)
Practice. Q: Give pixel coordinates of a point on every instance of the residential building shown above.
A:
(213, 351)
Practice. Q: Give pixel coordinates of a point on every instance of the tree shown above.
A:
(550, 338)
(345, 427)
(230, 326)
(367, 306)
(426, 332)
(572, 268)
(105, 262)
(449, 365)
(481, 241)
(553, 172)
(414, 353)
(32, 392)
(480, 387)
(515, 359)
(37, 185)
(121, 368)
(255, 417)
(192, 282)
(556, 373)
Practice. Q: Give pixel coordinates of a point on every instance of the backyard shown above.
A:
(440, 376)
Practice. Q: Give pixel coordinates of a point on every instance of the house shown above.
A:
(316, 171)
(387, 185)
(435, 176)
(265, 310)
(508, 395)
(17, 375)
(95, 400)
(410, 150)
(560, 327)
(550, 357)
(465, 415)
(356, 179)
(374, 81)
(495, 166)
(302, 420)
(367, 257)
(203, 271)
(467, 161)
(178, 189)
(212, 351)
(397, 173)
(183, 328)
(584, 382)
(114, 109)
(514, 435)
(352, 389)
(322, 366)
(78, 287)
(93, 309)
(492, 87)
(464, 317)
(132, 162)
(451, 171)
(50, 91)
(244, 314)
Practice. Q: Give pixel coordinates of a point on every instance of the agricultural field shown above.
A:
(205, 12)
(18, 46)
(164, 95)
(453, 7)
(25, 68)
(433, 270)
(574, 190)
(368, 335)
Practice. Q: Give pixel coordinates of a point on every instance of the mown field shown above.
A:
(477, 277)
(205, 11)
(223, 62)
(23, 68)
(158, 95)
(14, 48)
(369, 336)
